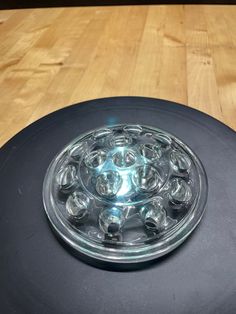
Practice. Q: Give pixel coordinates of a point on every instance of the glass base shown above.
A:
(126, 193)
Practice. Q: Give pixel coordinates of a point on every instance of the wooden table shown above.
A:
(50, 58)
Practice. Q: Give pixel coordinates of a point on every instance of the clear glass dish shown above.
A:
(125, 194)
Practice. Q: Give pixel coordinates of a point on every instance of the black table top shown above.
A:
(39, 275)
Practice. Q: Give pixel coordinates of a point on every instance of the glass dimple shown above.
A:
(124, 158)
(150, 152)
(78, 150)
(77, 206)
(133, 129)
(111, 220)
(99, 134)
(95, 158)
(154, 215)
(180, 191)
(121, 140)
(163, 140)
(180, 162)
(146, 178)
(67, 177)
(108, 183)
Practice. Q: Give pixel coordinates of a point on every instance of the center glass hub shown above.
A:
(119, 174)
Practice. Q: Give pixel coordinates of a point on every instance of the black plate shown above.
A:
(38, 275)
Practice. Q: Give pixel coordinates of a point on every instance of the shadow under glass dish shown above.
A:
(126, 193)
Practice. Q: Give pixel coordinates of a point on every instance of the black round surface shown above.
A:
(39, 275)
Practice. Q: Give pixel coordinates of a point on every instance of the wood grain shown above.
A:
(51, 58)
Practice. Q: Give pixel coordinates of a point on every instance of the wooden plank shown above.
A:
(51, 58)
(202, 86)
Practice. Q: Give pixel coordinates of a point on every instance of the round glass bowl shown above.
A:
(125, 194)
